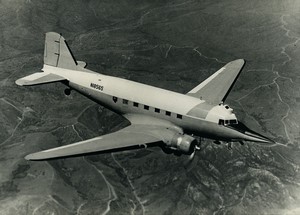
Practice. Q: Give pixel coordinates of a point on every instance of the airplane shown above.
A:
(156, 115)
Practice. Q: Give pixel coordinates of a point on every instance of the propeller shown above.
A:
(189, 163)
(191, 156)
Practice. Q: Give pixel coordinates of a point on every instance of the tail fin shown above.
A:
(57, 52)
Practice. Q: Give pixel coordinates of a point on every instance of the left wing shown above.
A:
(132, 135)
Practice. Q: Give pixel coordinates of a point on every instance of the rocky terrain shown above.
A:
(170, 44)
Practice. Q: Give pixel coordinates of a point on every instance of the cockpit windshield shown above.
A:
(227, 122)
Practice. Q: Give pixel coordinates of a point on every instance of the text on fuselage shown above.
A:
(97, 86)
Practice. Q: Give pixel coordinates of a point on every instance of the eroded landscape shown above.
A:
(170, 44)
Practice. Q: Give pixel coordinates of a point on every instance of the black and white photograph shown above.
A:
(184, 107)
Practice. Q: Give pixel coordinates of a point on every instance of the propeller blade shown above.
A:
(191, 157)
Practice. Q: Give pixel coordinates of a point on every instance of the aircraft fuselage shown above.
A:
(126, 97)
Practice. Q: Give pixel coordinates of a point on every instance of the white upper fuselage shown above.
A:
(140, 93)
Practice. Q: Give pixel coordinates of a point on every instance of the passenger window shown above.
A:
(125, 101)
(221, 122)
(226, 121)
(146, 107)
(135, 104)
(168, 113)
(179, 116)
(157, 110)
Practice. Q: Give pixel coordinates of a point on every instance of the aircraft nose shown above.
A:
(255, 137)
(249, 135)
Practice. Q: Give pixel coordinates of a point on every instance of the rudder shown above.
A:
(57, 52)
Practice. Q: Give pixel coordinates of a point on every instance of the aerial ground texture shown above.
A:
(170, 44)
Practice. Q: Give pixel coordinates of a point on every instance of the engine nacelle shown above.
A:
(183, 143)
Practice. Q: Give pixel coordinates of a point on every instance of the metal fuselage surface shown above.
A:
(127, 97)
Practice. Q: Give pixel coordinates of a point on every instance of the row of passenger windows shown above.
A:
(156, 110)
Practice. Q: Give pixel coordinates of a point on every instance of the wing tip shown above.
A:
(28, 157)
(240, 64)
(34, 157)
(240, 61)
(20, 82)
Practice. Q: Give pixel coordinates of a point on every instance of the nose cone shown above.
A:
(249, 135)
(255, 137)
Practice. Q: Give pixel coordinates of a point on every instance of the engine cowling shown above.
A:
(183, 143)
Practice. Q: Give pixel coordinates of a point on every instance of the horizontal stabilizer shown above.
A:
(39, 78)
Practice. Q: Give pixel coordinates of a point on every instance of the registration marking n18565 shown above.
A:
(97, 86)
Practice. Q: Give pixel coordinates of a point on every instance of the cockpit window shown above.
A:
(227, 122)
(221, 122)
(233, 121)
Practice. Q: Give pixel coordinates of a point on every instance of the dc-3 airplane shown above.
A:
(155, 115)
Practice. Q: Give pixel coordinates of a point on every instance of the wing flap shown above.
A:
(130, 136)
(216, 88)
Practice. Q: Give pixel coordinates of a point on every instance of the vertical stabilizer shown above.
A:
(57, 52)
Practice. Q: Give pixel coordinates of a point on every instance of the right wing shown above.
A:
(132, 135)
(216, 88)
